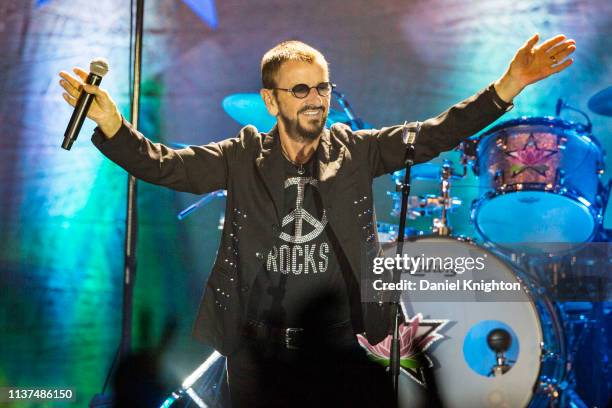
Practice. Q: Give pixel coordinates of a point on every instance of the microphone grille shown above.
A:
(98, 66)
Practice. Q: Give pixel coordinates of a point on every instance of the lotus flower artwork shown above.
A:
(416, 336)
(531, 157)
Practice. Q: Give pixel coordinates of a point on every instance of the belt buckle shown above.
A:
(289, 332)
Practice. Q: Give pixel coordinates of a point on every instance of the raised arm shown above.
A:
(531, 63)
(386, 148)
(195, 169)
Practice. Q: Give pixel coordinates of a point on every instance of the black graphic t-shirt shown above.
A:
(303, 283)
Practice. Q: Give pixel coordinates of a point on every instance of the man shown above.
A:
(284, 293)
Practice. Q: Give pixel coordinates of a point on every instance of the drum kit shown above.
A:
(539, 216)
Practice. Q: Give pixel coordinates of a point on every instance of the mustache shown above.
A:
(311, 107)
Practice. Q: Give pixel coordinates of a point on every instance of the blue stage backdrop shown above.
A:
(62, 213)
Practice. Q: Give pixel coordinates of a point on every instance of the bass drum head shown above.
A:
(453, 335)
(533, 217)
(462, 361)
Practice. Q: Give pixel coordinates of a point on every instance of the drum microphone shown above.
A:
(560, 105)
(97, 69)
(499, 340)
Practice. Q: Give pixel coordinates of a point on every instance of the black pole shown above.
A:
(104, 400)
(131, 219)
(395, 310)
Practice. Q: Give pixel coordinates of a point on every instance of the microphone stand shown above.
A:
(131, 221)
(395, 309)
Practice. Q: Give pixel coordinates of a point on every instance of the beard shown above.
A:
(297, 131)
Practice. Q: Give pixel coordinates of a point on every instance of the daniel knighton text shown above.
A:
(431, 269)
(448, 286)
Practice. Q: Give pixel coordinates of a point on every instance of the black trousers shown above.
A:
(320, 375)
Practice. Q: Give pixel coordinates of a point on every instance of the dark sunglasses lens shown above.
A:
(324, 88)
(300, 90)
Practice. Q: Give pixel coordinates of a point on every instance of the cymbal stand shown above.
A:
(441, 226)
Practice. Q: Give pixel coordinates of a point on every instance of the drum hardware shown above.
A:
(440, 225)
(468, 149)
(430, 204)
(499, 340)
(550, 388)
(561, 105)
(353, 121)
(549, 355)
(424, 205)
(588, 334)
(207, 198)
(560, 179)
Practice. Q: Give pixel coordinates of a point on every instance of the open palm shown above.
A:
(532, 63)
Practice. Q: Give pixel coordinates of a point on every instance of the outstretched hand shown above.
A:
(533, 63)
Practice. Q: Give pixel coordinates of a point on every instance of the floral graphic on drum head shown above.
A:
(416, 336)
(531, 157)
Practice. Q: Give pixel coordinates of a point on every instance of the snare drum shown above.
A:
(539, 183)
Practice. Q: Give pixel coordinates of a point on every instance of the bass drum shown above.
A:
(539, 184)
(446, 331)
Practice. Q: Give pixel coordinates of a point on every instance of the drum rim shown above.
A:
(531, 187)
(537, 120)
(550, 121)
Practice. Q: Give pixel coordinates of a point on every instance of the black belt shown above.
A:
(295, 338)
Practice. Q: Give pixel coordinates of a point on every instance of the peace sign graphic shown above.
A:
(299, 214)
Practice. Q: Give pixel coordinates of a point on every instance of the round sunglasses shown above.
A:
(301, 91)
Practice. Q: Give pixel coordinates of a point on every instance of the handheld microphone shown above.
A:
(97, 69)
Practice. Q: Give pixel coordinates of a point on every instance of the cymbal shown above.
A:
(250, 109)
(601, 102)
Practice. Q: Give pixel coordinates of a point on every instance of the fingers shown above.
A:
(69, 88)
(557, 68)
(530, 42)
(70, 80)
(546, 45)
(74, 82)
(81, 73)
(93, 89)
(562, 50)
(564, 54)
(73, 86)
(70, 99)
(562, 66)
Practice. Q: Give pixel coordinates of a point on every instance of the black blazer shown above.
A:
(250, 168)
